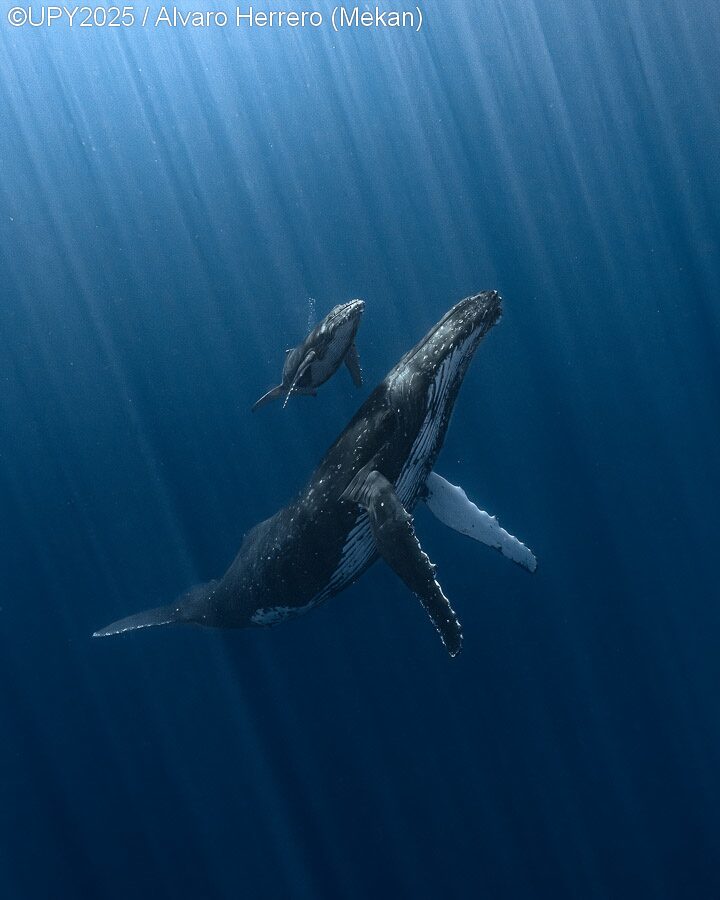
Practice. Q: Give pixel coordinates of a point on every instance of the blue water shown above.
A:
(169, 202)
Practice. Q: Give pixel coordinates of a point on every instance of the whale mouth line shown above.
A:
(457, 335)
(345, 312)
(471, 307)
(466, 323)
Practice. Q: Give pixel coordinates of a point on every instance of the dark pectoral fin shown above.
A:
(352, 361)
(399, 547)
(360, 489)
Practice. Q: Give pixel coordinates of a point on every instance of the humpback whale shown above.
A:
(358, 504)
(311, 363)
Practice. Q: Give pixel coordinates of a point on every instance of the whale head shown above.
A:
(345, 312)
(340, 325)
(440, 360)
(421, 390)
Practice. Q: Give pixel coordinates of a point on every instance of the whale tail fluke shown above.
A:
(160, 615)
(192, 606)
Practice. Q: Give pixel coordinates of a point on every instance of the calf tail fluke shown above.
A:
(272, 394)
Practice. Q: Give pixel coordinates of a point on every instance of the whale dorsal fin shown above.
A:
(352, 361)
(451, 505)
(398, 545)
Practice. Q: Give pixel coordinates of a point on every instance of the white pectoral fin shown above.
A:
(352, 361)
(301, 369)
(451, 505)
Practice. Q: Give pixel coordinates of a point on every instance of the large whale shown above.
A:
(357, 505)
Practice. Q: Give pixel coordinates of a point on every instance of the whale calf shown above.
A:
(328, 345)
(357, 505)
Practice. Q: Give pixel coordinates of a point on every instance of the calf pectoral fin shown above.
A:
(272, 394)
(352, 361)
(301, 369)
(398, 545)
(451, 505)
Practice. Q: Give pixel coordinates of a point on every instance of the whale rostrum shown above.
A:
(357, 505)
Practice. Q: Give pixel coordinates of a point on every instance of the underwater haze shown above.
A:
(177, 204)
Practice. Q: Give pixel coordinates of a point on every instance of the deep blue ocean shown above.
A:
(173, 201)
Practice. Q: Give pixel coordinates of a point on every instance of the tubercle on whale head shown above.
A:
(472, 318)
(460, 330)
(345, 312)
